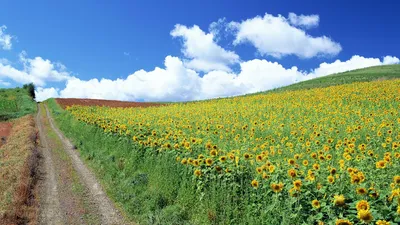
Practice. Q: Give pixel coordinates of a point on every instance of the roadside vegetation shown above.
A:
(292, 157)
(18, 173)
(17, 102)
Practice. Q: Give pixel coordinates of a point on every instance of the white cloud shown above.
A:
(390, 60)
(306, 21)
(355, 62)
(45, 93)
(36, 70)
(274, 36)
(202, 51)
(5, 39)
(176, 82)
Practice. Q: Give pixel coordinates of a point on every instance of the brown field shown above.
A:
(64, 102)
(19, 160)
(5, 129)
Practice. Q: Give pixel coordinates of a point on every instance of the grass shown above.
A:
(18, 174)
(15, 103)
(361, 75)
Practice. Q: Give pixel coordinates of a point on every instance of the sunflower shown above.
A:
(305, 162)
(382, 222)
(277, 187)
(355, 179)
(316, 204)
(362, 205)
(297, 184)
(291, 162)
(380, 164)
(361, 191)
(195, 162)
(209, 161)
(365, 216)
(246, 156)
(316, 166)
(184, 161)
(259, 170)
(343, 222)
(331, 179)
(292, 173)
(222, 158)
(213, 153)
(254, 183)
(333, 171)
(396, 180)
(259, 158)
(197, 173)
(339, 200)
(271, 168)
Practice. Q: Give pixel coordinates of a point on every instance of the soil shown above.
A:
(5, 130)
(64, 102)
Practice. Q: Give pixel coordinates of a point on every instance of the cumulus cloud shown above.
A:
(275, 36)
(36, 70)
(45, 93)
(390, 60)
(355, 62)
(306, 21)
(203, 53)
(176, 82)
(5, 39)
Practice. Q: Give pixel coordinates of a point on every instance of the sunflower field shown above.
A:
(319, 156)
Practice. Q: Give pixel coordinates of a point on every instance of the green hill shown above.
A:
(15, 102)
(361, 75)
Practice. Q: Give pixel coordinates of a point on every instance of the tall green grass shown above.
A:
(15, 103)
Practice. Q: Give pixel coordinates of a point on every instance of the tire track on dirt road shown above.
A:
(50, 212)
(105, 207)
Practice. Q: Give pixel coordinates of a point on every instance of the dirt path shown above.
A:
(70, 193)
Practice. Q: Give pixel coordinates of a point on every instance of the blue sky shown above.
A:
(85, 40)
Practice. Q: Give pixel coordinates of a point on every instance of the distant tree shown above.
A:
(31, 89)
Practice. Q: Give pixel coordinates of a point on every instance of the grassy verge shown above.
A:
(15, 103)
(18, 174)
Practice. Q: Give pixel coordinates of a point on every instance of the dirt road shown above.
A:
(68, 191)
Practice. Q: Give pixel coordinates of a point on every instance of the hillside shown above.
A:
(15, 102)
(361, 75)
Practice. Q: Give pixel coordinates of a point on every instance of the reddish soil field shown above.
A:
(64, 102)
(5, 129)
